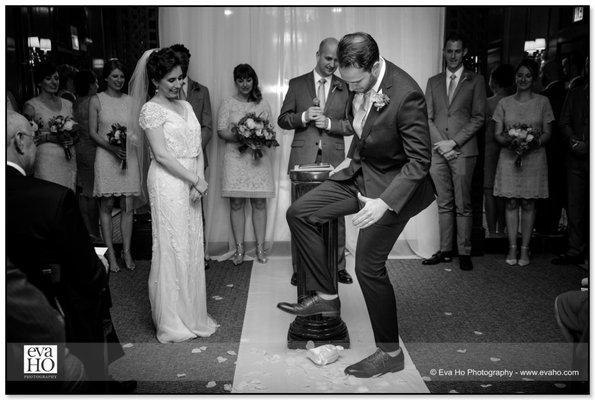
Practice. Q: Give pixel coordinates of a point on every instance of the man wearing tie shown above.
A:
(198, 97)
(456, 112)
(315, 106)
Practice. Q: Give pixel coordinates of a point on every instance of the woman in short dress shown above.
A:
(243, 176)
(113, 181)
(51, 163)
(522, 186)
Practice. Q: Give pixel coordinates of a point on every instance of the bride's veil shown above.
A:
(138, 89)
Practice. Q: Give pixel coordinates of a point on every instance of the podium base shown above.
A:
(321, 331)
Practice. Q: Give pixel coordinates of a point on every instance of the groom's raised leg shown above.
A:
(305, 218)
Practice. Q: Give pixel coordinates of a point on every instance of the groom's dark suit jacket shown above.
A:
(298, 99)
(44, 227)
(394, 152)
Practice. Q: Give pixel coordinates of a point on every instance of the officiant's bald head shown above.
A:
(326, 57)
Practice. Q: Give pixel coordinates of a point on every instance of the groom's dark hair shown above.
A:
(358, 50)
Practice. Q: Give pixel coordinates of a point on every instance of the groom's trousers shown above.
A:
(332, 199)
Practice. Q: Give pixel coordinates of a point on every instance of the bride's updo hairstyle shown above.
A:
(159, 64)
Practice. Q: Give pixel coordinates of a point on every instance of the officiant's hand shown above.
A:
(322, 122)
(373, 210)
(312, 113)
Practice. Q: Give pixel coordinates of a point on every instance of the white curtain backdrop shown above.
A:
(280, 43)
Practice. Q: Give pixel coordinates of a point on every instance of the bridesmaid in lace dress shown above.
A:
(112, 181)
(243, 176)
(177, 287)
(50, 162)
(522, 186)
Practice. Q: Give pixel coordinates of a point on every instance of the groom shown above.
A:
(384, 180)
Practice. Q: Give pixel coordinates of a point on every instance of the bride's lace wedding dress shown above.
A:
(177, 289)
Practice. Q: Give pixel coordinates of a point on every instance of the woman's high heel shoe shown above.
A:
(523, 262)
(260, 255)
(511, 261)
(128, 261)
(238, 256)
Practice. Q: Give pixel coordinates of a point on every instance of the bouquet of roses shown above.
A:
(65, 128)
(521, 139)
(254, 132)
(117, 137)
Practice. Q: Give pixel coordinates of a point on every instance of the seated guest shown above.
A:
(572, 315)
(501, 82)
(54, 235)
(522, 185)
(51, 163)
(31, 319)
(85, 83)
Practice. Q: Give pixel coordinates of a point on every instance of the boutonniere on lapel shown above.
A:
(379, 100)
(467, 76)
(337, 86)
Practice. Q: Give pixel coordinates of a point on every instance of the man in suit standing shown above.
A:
(48, 240)
(384, 180)
(315, 107)
(198, 97)
(456, 102)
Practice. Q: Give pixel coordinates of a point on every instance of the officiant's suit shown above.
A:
(198, 97)
(44, 227)
(459, 120)
(299, 98)
(390, 159)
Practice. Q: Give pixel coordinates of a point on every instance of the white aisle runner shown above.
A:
(265, 365)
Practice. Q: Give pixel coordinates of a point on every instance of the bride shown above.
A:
(175, 185)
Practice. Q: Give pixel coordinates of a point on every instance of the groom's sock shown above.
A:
(393, 353)
(325, 296)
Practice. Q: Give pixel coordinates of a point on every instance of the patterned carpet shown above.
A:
(179, 367)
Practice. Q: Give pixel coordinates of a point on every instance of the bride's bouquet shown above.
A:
(117, 137)
(254, 132)
(65, 129)
(521, 139)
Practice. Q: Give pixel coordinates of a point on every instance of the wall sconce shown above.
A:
(33, 41)
(98, 63)
(534, 46)
(227, 12)
(45, 44)
(336, 9)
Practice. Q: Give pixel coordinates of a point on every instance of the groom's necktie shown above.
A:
(451, 87)
(359, 115)
(321, 93)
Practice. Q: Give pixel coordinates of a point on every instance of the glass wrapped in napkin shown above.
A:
(325, 354)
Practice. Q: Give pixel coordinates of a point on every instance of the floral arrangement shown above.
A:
(65, 128)
(254, 132)
(521, 139)
(117, 137)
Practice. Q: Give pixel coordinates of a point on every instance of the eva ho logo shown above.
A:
(40, 359)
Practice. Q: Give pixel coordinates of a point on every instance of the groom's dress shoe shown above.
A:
(377, 364)
(313, 305)
(465, 263)
(344, 277)
(438, 257)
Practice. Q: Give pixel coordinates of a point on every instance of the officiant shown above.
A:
(315, 107)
